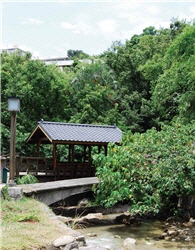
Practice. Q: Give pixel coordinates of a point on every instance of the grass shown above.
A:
(76, 223)
(27, 225)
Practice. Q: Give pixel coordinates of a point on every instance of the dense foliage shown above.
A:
(174, 93)
(27, 179)
(151, 170)
(141, 67)
(78, 54)
(139, 85)
(43, 90)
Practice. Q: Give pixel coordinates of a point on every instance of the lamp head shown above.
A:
(13, 103)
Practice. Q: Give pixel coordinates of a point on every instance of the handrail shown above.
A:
(34, 158)
(44, 166)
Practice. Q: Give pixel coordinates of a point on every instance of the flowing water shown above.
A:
(146, 236)
(113, 235)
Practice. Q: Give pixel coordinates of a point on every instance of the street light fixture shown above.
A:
(13, 103)
(13, 107)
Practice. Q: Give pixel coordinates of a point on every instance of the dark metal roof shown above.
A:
(70, 132)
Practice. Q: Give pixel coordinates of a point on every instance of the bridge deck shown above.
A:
(51, 192)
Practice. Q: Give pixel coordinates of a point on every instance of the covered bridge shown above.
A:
(72, 149)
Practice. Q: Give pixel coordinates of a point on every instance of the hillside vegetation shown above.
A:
(145, 86)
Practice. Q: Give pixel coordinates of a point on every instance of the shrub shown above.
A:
(150, 170)
(4, 192)
(27, 179)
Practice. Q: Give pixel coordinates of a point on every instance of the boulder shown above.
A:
(190, 223)
(15, 193)
(162, 236)
(83, 203)
(80, 238)
(91, 235)
(92, 218)
(127, 219)
(128, 242)
(71, 246)
(63, 241)
(172, 233)
(188, 238)
(117, 236)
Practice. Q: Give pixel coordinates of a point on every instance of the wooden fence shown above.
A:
(43, 168)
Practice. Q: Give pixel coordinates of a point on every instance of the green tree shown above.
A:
(44, 93)
(138, 65)
(79, 54)
(93, 99)
(149, 31)
(151, 170)
(174, 93)
(136, 85)
(177, 26)
(134, 79)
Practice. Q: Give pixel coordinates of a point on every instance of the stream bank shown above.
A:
(110, 228)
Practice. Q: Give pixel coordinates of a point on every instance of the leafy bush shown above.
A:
(150, 170)
(27, 179)
(4, 192)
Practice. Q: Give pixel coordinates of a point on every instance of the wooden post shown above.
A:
(90, 162)
(72, 153)
(37, 161)
(89, 154)
(12, 148)
(74, 170)
(99, 149)
(106, 150)
(17, 165)
(38, 146)
(69, 153)
(85, 153)
(54, 156)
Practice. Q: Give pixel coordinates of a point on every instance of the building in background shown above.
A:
(63, 62)
(14, 50)
(60, 62)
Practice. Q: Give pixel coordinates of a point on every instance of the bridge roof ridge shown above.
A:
(75, 132)
(77, 124)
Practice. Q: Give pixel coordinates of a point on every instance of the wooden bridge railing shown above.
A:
(35, 165)
(42, 166)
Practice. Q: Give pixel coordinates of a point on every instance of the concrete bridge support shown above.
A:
(51, 192)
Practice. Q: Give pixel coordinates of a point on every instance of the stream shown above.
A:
(146, 236)
(112, 235)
